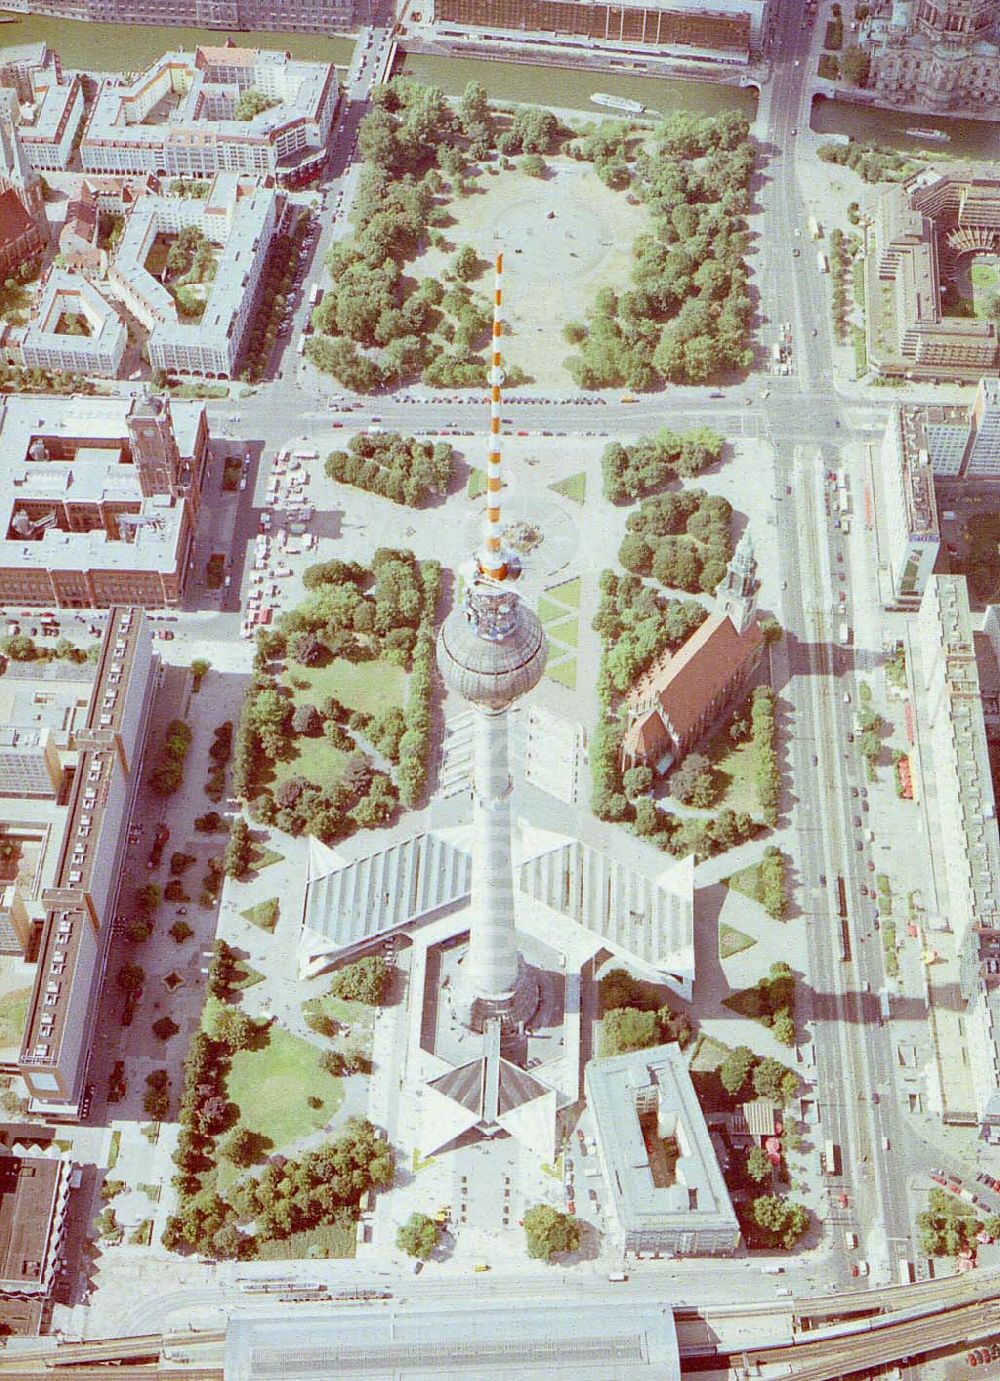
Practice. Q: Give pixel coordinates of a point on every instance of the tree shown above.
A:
(533, 165)
(130, 978)
(236, 859)
(233, 1028)
(781, 1220)
(771, 1079)
(199, 670)
(692, 778)
(363, 981)
(783, 1027)
(156, 1102)
(947, 1226)
(18, 647)
(466, 264)
(241, 1147)
(758, 1165)
(735, 1069)
(628, 1028)
(418, 1236)
(306, 720)
(637, 781)
(548, 1231)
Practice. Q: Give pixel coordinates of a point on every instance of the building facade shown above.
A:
(965, 823)
(982, 457)
(934, 54)
(306, 16)
(34, 1198)
(100, 500)
(81, 901)
(926, 232)
(718, 30)
(241, 217)
(639, 1102)
(68, 303)
(909, 507)
(178, 117)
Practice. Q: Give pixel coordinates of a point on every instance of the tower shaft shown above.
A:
(492, 961)
(492, 561)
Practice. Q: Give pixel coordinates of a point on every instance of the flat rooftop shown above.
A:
(29, 1190)
(565, 1340)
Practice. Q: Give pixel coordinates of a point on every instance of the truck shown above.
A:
(315, 293)
(822, 262)
(300, 349)
(815, 229)
(831, 1158)
(845, 633)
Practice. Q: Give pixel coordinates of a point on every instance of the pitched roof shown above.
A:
(14, 219)
(647, 736)
(687, 681)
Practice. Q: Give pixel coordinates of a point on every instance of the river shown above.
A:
(566, 88)
(973, 139)
(87, 47)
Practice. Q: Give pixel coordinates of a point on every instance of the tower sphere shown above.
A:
(491, 651)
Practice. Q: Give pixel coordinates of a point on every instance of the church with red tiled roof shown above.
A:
(684, 693)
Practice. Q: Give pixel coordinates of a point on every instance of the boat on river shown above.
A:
(938, 135)
(623, 103)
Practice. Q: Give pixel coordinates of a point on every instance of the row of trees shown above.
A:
(948, 1226)
(871, 162)
(21, 647)
(637, 624)
(686, 316)
(744, 1074)
(682, 539)
(630, 472)
(763, 754)
(635, 1018)
(168, 768)
(277, 285)
(397, 467)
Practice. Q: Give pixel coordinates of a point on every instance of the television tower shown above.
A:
(491, 651)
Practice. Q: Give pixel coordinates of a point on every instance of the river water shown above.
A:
(973, 139)
(569, 89)
(131, 47)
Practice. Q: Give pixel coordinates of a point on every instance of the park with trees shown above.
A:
(683, 316)
(397, 467)
(334, 733)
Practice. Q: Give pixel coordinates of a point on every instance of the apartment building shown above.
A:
(34, 1198)
(100, 499)
(965, 826)
(908, 517)
(178, 117)
(241, 218)
(47, 106)
(959, 441)
(81, 901)
(646, 1112)
(926, 231)
(716, 30)
(304, 16)
(934, 54)
(74, 327)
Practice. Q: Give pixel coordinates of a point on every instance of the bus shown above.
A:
(315, 293)
(831, 1158)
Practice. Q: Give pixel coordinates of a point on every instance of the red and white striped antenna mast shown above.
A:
(493, 561)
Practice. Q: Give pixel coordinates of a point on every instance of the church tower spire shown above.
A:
(737, 595)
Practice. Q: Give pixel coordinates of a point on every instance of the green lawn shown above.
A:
(13, 1010)
(334, 1240)
(271, 1086)
(563, 672)
(889, 948)
(476, 484)
(733, 770)
(249, 977)
(116, 1141)
(314, 758)
(264, 915)
(261, 857)
(357, 1015)
(573, 487)
(733, 941)
(985, 280)
(567, 593)
(550, 612)
(707, 1054)
(367, 686)
(565, 631)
